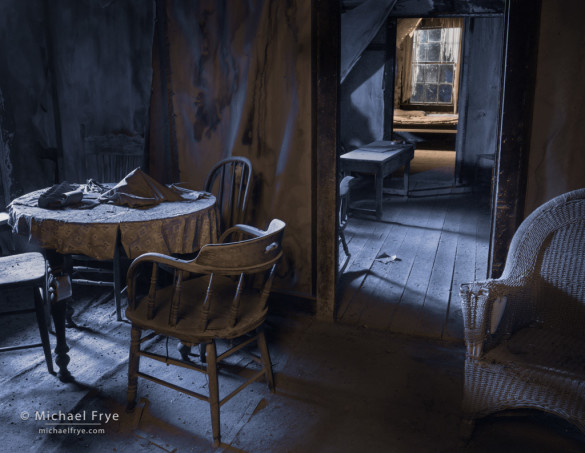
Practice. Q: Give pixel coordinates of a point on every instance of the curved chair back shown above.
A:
(548, 251)
(234, 282)
(229, 180)
(247, 256)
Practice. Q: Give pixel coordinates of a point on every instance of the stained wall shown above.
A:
(234, 79)
(557, 144)
(70, 69)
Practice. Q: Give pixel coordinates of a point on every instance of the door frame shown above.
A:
(522, 22)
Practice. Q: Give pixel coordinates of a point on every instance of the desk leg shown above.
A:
(406, 176)
(379, 192)
(59, 313)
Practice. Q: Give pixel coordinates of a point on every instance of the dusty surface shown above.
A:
(339, 389)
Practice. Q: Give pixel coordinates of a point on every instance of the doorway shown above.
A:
(521, 19)
(403, 272)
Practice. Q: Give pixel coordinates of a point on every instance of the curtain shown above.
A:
(234, 78)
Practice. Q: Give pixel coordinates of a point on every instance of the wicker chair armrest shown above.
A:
(491, 306)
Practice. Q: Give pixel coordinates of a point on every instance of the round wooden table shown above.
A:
(103, 231)
(169, 227)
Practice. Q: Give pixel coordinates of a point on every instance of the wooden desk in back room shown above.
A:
(380, 159)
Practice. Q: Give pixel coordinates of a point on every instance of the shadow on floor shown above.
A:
(339, 389)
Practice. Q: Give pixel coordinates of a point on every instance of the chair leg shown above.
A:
(40, 304)
(266, 359)
(133, 364)
(213, 391)
(343, 242)
(202, 353)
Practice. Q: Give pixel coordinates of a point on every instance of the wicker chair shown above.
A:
(227, 300)
(525, 331)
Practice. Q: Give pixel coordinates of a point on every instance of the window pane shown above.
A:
(445, 93)
(417, 93)
(434, 52)
(434, 34)
(449, 55)
(446, 73)
(430, 93)
(431, 73)
(421, 53)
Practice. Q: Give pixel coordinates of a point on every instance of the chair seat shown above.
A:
(28, 270)
(251, 313)
(545, 350)
(22, 268)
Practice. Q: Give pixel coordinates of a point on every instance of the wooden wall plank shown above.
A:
(521, 48)
(326, 14)
(425, 8)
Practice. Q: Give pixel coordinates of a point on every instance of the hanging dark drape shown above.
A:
(234, 78)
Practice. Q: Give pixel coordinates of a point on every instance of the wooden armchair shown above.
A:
(227, 300)
(525, 331)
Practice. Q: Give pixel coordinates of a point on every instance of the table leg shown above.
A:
(58, 309)
(58, 313)
(379, 192)
(117, 280)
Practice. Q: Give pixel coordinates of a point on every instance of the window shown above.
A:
(435, 53)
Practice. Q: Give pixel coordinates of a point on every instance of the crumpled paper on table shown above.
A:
(139, 190)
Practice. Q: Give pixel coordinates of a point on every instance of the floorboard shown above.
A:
(384, 276)
(434, 312)
(363, 267)
(404, 272)
(411, 304)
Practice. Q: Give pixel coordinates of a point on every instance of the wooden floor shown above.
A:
(404, 272)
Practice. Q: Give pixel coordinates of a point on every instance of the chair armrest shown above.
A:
(160, 258)
(490, 307)
(157, 259)
(241, 228)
